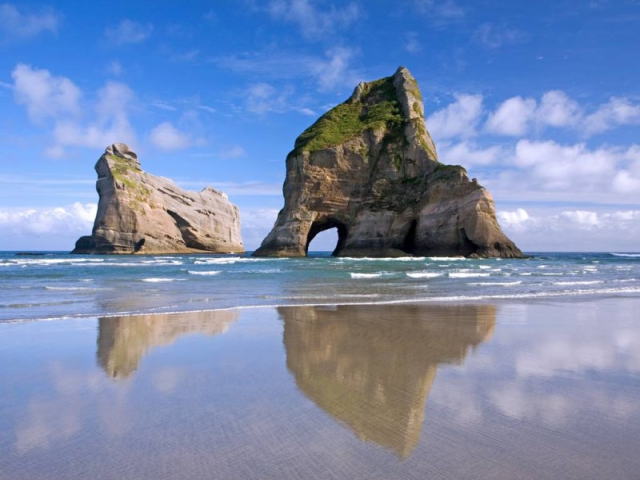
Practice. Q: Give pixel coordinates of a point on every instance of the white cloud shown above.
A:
(44, 95)
(314, 20)
(468, 154)
(167, 137)
(558, 110)
(515, 219)
(572, 229)
(110, 123)
(512, 117)
(56, 102)
(458, 119)
(334, 69)
(75, 219)
(517, 116)
(127, 32)
(16, 24)
(551, 166)
(616, 112)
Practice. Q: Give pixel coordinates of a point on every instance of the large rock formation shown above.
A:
(141, 213)
(369, 168)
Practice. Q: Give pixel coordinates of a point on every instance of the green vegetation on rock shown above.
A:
(376, 108)
(121, 168)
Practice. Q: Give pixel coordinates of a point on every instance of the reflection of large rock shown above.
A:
(372, 368)
(122, 341)
(142, 213)
(369, 168)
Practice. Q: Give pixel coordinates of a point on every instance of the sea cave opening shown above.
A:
(326, 236)
(409, 244)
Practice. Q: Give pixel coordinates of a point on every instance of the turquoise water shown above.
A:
(55, 284)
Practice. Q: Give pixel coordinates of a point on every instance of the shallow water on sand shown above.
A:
(63, 285)
(544, 389)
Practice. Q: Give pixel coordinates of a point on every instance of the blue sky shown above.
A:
(539, 100)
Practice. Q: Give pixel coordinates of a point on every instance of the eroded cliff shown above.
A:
(369, 168)
(142, 213)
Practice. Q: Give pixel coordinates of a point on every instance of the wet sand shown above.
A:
(543, 389)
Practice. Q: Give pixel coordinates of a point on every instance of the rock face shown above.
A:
(369, 168)
(141, 213)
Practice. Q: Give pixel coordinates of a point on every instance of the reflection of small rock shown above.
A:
(141, 213)
(122, 341)
(369, 168)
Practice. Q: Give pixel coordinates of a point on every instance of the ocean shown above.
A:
(59, 285)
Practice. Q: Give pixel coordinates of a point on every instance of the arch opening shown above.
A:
(323, 225)
(409, 243)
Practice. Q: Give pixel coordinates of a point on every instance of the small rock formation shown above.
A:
(369, 168)
(141, 213)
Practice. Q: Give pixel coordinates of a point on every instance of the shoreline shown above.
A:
(599, 294)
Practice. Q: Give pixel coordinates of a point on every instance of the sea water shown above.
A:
(55, 285)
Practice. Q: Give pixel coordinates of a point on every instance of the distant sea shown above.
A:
(60, 285)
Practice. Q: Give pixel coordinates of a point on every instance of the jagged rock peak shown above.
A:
(391, 103)
(142, 213)
(369, 168)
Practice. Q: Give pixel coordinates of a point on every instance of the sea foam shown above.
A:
(423, 274)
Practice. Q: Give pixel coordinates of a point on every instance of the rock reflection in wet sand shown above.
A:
(372, 369)
(123, 341)
(523, 390)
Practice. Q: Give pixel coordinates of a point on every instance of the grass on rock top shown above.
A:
(376, 108)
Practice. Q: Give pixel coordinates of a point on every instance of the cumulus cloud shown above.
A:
(512, 117)
(616, 112)
(17, 24)
(74, 220)
(518, 116)
(314, 19)
(128, 32)
(56, 102)
(552, 166)
(572, 229)
(167, 137)
(557, 109)
(468, 154)
(109, 125)
(458, 119)
(43, 94)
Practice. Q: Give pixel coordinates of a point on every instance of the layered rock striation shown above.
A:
(369, 168)
(142, 213)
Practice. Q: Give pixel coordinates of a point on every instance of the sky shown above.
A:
(540, 101)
